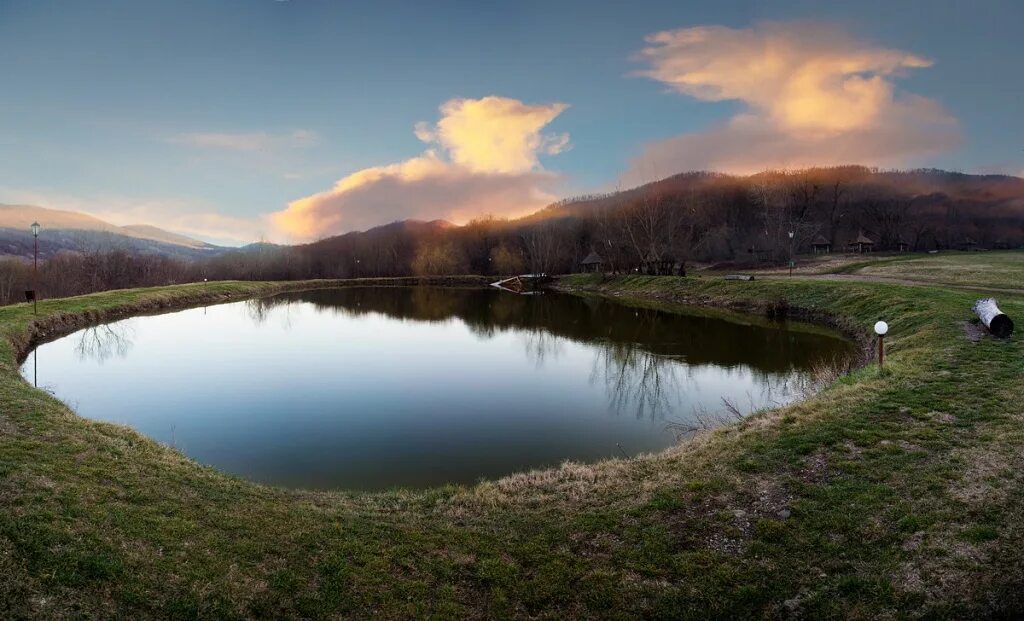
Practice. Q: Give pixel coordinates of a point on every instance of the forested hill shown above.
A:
(691, 216)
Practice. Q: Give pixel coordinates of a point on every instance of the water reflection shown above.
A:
(100, 343)
(377, 387)
(703, 337)
(637, 380)
(645, 356)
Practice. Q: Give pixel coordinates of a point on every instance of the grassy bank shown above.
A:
(976, 269)
(888, 494)
(998, 270)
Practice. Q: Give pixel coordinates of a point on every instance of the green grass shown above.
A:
(978, 269)
(903, 492)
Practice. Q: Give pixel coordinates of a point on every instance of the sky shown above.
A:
(295, 120)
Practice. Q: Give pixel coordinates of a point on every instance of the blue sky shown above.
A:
(207, 117)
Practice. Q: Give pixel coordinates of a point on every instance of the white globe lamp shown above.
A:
(881, 328)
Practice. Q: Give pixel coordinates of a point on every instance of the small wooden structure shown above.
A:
(759, 255)
(820, 245)
(967, 244)
(658, 264)
(994, 319)
(1001, 244)
(902, 246)
(524, 284)
(861, 245)
(592, 262)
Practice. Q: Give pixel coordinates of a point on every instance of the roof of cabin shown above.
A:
(862, 239)
(653, 256)
(592, 258)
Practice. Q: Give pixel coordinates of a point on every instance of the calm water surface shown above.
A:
(380, 387)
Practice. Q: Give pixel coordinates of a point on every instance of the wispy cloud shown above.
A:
(484, 158)
(813, 95)
(246, 141)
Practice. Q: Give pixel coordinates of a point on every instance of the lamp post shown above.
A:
(35, 268)
(791, 253)
(881, 328)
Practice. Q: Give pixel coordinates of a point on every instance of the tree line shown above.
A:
(705, 217)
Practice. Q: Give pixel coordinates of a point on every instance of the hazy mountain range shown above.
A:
(79, 232)
(991, 202)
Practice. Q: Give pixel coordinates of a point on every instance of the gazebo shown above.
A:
(902, 245)
(820, 245)
(592, 262)
(861, 245)
(759, 254)
(657, 264)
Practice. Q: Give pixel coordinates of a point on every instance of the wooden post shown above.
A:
(35, 273)
(881, 329)
(994, 319)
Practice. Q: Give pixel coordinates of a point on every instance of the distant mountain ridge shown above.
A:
(725, 219)
(78, 232)
(998, 190)
(147, 231)
(998, 199)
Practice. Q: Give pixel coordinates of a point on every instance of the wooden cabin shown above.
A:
(861, 245)
(658, 264)
(592, 263)
(820, 245)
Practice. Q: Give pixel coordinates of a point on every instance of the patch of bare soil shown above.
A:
(973, 331)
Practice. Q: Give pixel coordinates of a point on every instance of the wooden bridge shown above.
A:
(523, 284)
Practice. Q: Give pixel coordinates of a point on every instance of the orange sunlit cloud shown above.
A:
(484, 160)
(813, 95)
(495, 134)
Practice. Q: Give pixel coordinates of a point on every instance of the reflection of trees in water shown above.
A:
(769, 391)
(101, 342)
(638, 380)
(637, 377)
(540, 345)
(701, 338)
(260, 310)
(646, 356)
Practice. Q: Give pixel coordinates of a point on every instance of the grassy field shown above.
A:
(975, 269)
(895, 494)
(996, 270)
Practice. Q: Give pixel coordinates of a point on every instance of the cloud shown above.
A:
(484, 158)
(494, 134)
(246, 141)
(813, 96)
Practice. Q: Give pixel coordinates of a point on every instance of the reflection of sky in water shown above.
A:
(342, 393)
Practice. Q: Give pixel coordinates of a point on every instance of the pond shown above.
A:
(371, 388)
